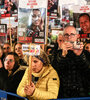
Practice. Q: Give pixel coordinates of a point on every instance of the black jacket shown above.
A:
(10, 83)
(74, 74)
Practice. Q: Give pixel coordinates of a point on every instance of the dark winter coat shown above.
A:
(10, 83)
(74, 74)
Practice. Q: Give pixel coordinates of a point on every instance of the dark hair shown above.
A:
(1, 47)
(16, 44)
(16, 58)
(36, 10)
(87, 42)
(84, 14)
(7, 43)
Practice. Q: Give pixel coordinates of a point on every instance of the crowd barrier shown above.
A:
(4, 95)
(81, 98)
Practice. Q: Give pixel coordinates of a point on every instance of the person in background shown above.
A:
(57, 46)
(48, 49)
(84, 22)
(72, 66)
(6, 48)
(60, 40)
(45, 81)
(87, 46)
(1, 57)
(87, 50)
(18, 50)
(11, 74)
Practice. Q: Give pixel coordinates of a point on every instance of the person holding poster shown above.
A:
(45, 81)
(37, 24)
(72, 66)
(84, 21)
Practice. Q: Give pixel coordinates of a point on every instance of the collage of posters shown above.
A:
(9, 17)
(26, 20)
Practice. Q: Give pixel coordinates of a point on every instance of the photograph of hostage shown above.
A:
(84, 22)
(37, 24)
(52, 6)
(9, 7)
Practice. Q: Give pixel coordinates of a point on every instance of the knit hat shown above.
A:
(43, 57)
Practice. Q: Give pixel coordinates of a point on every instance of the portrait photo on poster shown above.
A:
(32, 26)
(9, 8)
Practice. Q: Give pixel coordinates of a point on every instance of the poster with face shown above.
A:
(67, 14)
(11, 24)
(81, 15)
(31, 25)
(52, 8)
(8, 8)
(3, 33)
(32, 21)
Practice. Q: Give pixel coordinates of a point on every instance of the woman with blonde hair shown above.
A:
(45, 81)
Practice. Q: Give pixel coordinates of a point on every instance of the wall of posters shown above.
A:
(8, 16)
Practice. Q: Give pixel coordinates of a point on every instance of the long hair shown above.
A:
(16, 58)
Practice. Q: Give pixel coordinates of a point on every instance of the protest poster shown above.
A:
(3, 32)
(82, 25)
(33, 50)
(67, 14)
(54, 35)
(11, 23)
(8, 8)
(52, 9)
(32, 21)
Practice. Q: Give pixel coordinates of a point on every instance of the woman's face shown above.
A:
(37, 65)
(1, 53)
(87, 47)
(36, 18)
(18, 50)
(9, 62)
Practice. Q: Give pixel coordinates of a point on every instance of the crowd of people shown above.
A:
(66, 74)
(62, 71)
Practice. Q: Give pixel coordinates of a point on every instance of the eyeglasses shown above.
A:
(6, 48)
(10, 60)
(66, 35)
